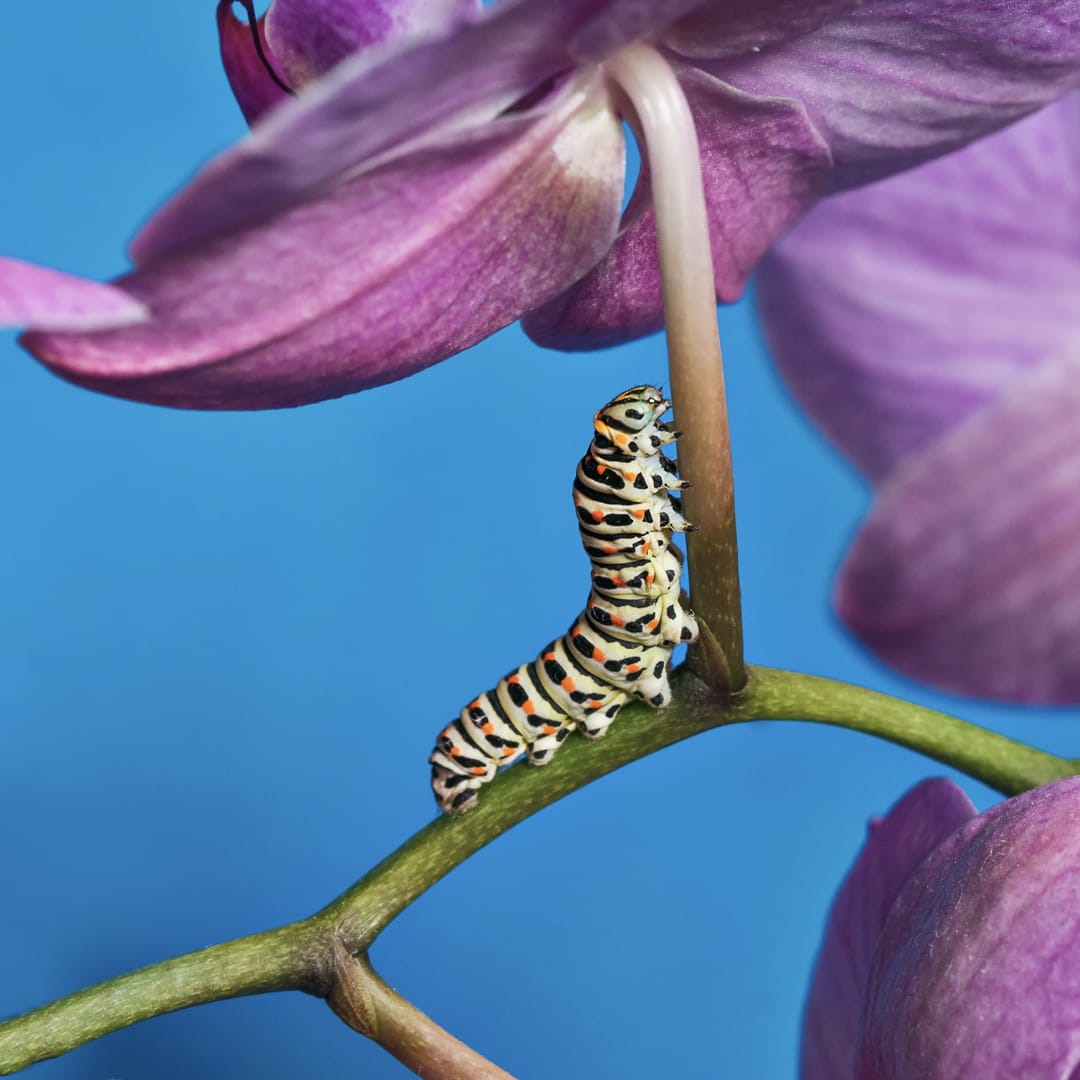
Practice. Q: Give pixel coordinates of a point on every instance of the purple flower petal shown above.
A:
(763, 166)
(310, 36)
(897, 82)
(977, 972)
(387, 273)
(737, 27)
(38, 296)
(966, 574)
(896, 845)
(896, 311)
(374, 103)
(255, 91)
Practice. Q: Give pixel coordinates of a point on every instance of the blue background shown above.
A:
(211, 718)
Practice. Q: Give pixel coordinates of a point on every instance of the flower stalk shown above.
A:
(309, 955)
(659, 112)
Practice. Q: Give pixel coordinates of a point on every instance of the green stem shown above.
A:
(293, 957)
(305, 955)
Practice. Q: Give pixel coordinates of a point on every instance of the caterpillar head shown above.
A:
(634, 409)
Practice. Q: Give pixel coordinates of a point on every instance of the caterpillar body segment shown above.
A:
(619, 647)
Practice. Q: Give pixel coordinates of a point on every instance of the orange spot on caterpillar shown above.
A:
(609, 550)
(618, 581)
(633, 667)
(508, 751)
(528, 708)
(454, 751)
(488, 727)
(567, 684)
(600, 469)
(513, 679)
(550, 729)
(620, 439)
(616, 621)
(598, 655)
(549, 656)
(479, 770)
(650, 579)
(639, 514)
(598, 515)
(631, 476)
(653, 625)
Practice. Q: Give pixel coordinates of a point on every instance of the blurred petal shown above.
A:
(966, 574)
(374, 103)
(744, 26)
(387, 273)
(763, 166)
(255, 91)
(897, 82)
(897, 311)
(896, 845)
(977, 972)
(38, 296)
(310, 36)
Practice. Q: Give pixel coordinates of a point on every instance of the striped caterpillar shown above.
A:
(620, 646)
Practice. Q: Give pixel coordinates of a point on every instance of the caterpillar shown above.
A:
(618, 648)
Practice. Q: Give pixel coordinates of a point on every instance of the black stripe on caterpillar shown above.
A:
(620, 646)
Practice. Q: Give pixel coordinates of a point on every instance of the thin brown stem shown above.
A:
(371, 1007)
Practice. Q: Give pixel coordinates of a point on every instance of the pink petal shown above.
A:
(252, 86)
(977, 972)
(310, 36)
(896, 82)
(387, 273)
(897, 844)
(738, 27)
(377, 102)
(38, 296)
(966, 574)
(763, 166)
(898, 310)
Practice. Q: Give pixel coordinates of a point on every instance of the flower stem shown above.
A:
(309, 955)
(371, 1007)
(670, 145)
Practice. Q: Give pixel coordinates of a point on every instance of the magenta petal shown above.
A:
(737, 27)
(252, 86)
(896, 311)
(966, 574)
(37, 296)
(896, 845)
(373, 103)
(389, 272)
(310, 36)
(897, 82)
(977, 972)
(763, 166)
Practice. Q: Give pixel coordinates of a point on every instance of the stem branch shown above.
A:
(309, 955)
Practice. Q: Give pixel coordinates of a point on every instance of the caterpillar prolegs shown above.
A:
(620, 646)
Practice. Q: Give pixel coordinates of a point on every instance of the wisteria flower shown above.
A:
(953, 946)
(930, 324)
(445, 170)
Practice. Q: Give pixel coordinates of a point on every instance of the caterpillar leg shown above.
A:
(596, 723)
(541, 750)
(678, 625)
(653, 686)
(455, 792)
